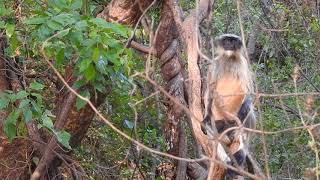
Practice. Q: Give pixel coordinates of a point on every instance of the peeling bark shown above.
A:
(172, 71)
(189, 33)
(124, 11)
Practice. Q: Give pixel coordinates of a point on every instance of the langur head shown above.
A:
(229, 46)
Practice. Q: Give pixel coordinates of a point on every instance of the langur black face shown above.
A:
(229, 45)
(230, 42)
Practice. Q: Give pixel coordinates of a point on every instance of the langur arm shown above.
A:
(246, 114)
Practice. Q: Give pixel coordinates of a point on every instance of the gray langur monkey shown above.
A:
(227, 99)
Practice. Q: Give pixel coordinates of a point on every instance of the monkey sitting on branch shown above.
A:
(227, 100)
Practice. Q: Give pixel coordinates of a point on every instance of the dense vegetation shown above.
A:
(91, 55)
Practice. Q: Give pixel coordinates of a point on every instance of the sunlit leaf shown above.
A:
(79, 84)
(27, 113)
(101, 65)
(4, 102)
(84, 65)
(129, 124)
(10, 125)
(21, 94)
(47, 122)
(81, 25)
(57, 4)
(60, 57)
(36, 86)
(95, 54)
(35, 20)
(90, 72)
(54, 25)
(63, 33)
(2, 24)
(24, 103)
(63, 137)
(64, 19)
(77, 4)
(10, 30)
(81, 103)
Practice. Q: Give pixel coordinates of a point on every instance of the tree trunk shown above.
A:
(168, 50)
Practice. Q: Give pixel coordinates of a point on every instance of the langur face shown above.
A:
(229, 45)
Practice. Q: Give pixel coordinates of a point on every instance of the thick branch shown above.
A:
(195, 171)
(142, 48)
(190, 37)
(48, 155)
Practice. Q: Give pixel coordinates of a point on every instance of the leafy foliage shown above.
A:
(92, 46)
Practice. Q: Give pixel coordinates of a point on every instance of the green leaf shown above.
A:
(90, 72)
(76, 5)
(101, 66)
(54, 25)
(4, 11)
(95, 54)
(81, 103)
(117, 28)
(35, 160)
(79, 84)
(81, 25)
(114, 43)
(76, 37)
(36, 86)
(35, 20)
(84, 65)
(101, 23)
(24, 103)
(2, 24)
(38, 96)
(4, 102)
(63, 33)
(63, 137)
(60, 57)
(13, 116)
(49, 114)
(27, 113)
(47, 122)
(22, 94)
(121, 30)
(129, 124)
(60, 4)
(100, 87)
(10, 125)
(12, 97)
(64, 19)
(10, 131)
(36, 107)
(10, 29)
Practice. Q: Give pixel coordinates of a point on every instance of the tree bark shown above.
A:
(167, 49)
(189, 33)
(124, 11)
(172, 70)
